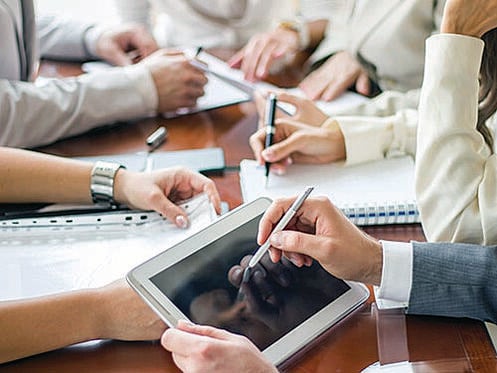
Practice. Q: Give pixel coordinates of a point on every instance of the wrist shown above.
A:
(373, 276)
(301, 31)
(102, 182)
(120, 186)
(335, 134)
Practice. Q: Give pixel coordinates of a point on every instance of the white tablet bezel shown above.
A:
(283, 348)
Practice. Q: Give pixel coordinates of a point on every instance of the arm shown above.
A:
(41, 113)
(62, 39)
(456, 280)
(42, 324)
(387, 122)
(137, 11)
(451, 150)
(65, 180)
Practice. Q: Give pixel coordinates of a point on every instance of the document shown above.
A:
(55, 255)
(380, 192)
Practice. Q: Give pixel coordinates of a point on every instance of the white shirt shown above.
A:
(396, 276)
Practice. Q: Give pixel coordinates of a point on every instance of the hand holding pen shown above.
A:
(282, 223)
(270, 129)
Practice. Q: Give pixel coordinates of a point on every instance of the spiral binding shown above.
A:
(382, 214)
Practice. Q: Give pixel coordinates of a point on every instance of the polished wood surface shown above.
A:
(364, 337)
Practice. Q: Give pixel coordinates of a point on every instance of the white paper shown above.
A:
(46, 260)
(380, 192)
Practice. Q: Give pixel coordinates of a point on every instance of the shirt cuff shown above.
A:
(90, 39)
(396, 276)
(145, 85)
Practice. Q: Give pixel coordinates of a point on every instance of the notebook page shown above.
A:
(379, 183)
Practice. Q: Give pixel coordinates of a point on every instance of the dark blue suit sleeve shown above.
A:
(458, 280)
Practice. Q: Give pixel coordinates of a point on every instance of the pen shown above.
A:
(198, 51)
(153, 142)
(270, 130)
(279, 227)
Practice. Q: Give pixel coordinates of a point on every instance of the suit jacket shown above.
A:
(458, 280)
(387, 36)
(456, 172)
(40, 112)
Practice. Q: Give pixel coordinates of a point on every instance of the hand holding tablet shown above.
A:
(192, 281)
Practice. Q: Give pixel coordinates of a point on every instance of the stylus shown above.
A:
(279, 227)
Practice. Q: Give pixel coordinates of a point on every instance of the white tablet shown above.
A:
(282, 308)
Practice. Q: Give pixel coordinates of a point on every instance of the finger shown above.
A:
(265, 61)
(169, 210)
(204, 330)
(314, 85)
(300, 243)
(271, 217)
(284, 148)
(291, 99)
(363, 84)
(336, 88)
(178, 341)
(118, 57)
(256, 142)
(235, 275)
(202, 184)
(236, 60)
(249, 65)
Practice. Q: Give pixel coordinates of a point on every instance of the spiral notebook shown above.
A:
(374, 193)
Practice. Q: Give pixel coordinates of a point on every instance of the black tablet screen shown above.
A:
(277, 298)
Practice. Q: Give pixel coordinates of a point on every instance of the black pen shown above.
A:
(270, 129)
(198, 51)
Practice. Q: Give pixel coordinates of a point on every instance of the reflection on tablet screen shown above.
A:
(277, 298)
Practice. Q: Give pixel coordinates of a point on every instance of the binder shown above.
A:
(374, 193)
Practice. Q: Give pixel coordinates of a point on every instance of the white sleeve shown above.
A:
(137, 11)
(396, 276)
(456, 174)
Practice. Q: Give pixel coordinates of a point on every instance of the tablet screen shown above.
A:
(277, 298)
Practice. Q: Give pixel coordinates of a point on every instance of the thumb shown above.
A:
(207, 331)
(363, 84)
(118, 57)
(298, 242)
(171, 211)
(236, 60)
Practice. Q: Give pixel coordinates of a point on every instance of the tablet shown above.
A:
(282, 308)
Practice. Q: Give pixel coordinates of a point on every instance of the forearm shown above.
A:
(38, 325)
(317, 31)
(35, 177)
(456, 280)
(38, 114)
(451, 150)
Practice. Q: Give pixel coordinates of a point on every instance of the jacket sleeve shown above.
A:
(388, 122)
(34, 114)
(456, 280)
(456, 175)
(137, 11)
(63, 39)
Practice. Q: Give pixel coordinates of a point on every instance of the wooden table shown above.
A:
(356, 342)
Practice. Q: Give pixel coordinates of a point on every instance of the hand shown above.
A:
(178, 83)
(198, 348)
(472, 18)
(114, 43)
(319, 230)
(262, 50)
(123, 315)
(339, 73)
(158, 190)
(306, 111)
(296, 142)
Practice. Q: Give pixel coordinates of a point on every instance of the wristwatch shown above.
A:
(102, 182)
(299, 26)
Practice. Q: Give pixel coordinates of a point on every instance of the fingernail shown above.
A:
(276, 240)
(279, 171)
(295, 262)
(268, 154)
(289, 161)
(181, 221)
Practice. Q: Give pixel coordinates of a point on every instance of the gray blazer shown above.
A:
(33, 114)
(458, 280)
